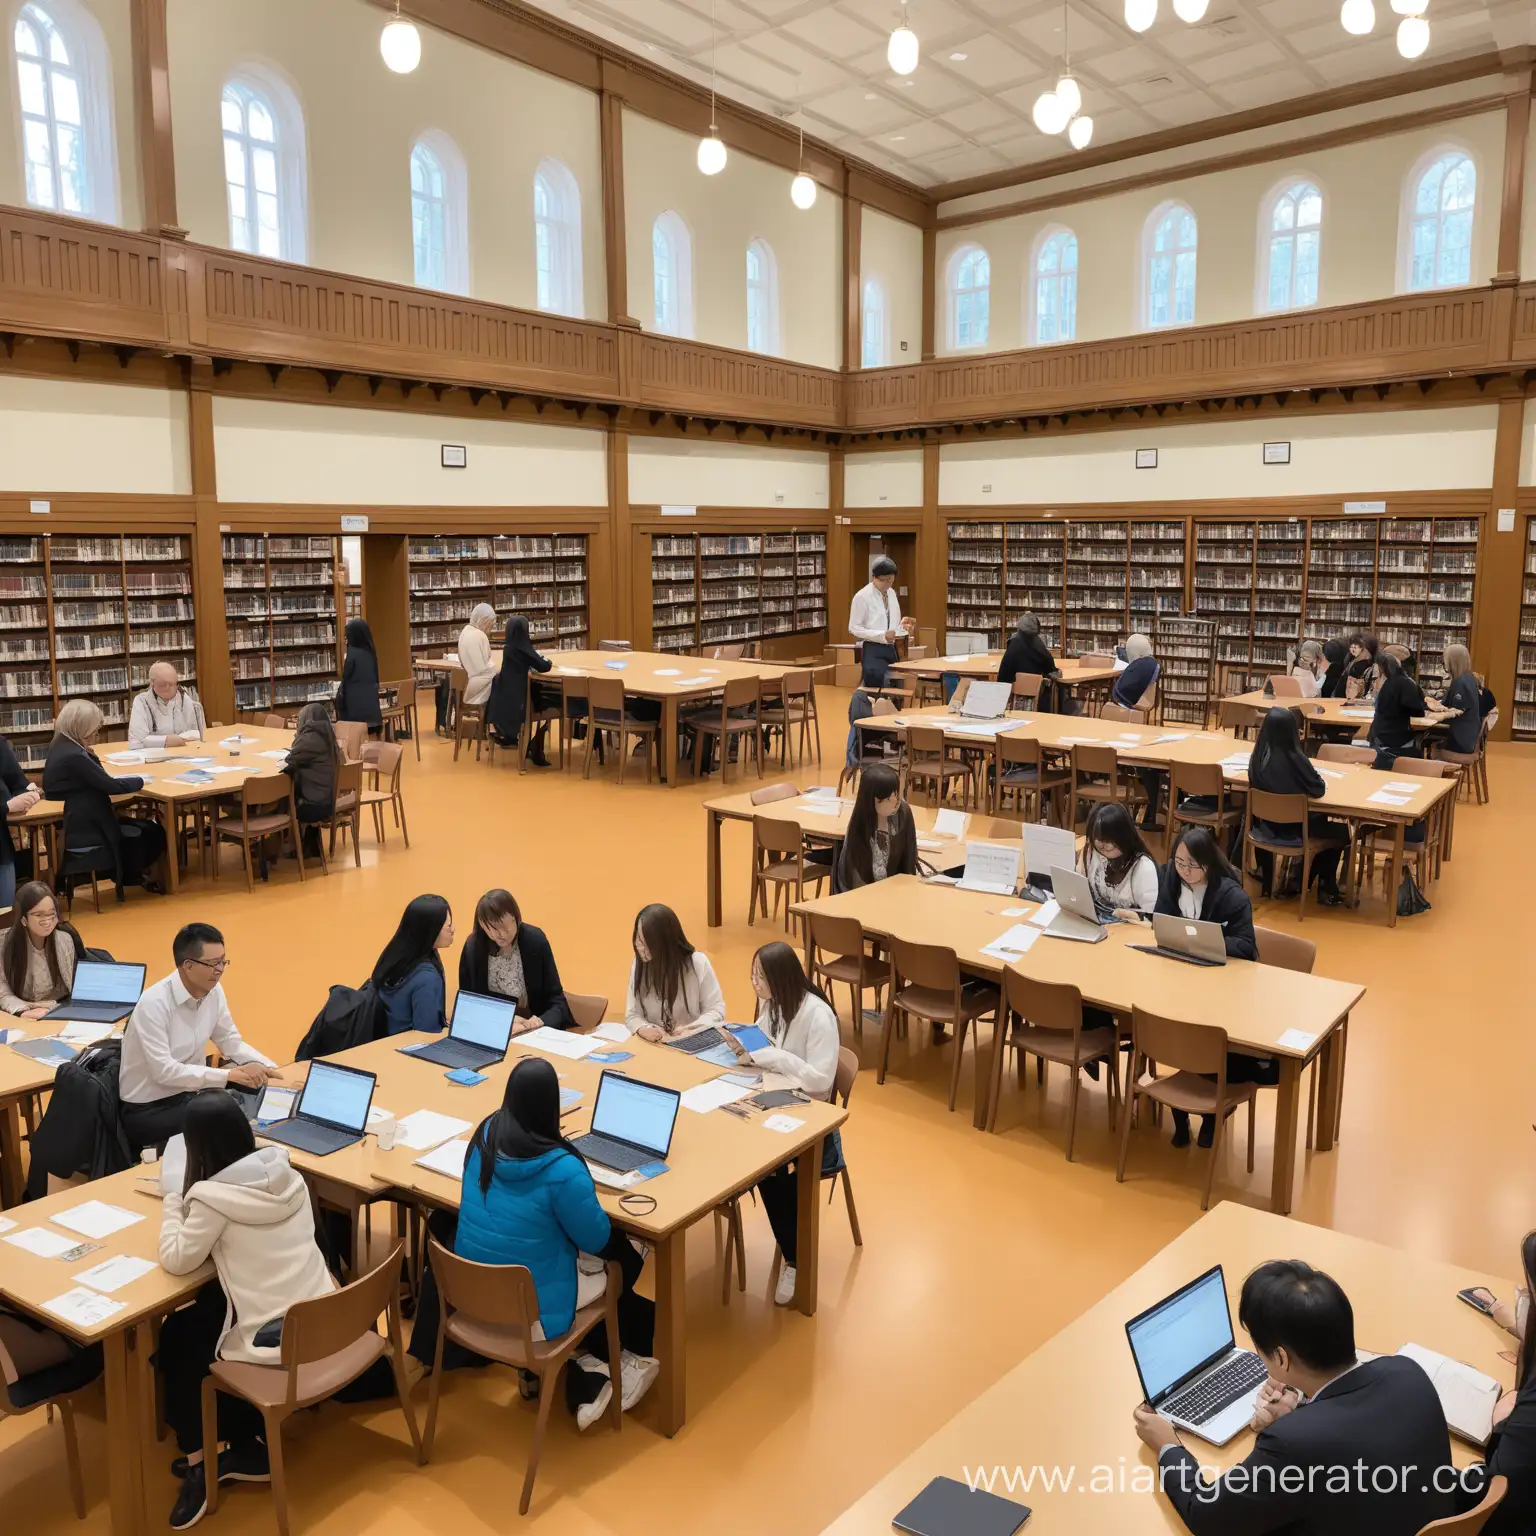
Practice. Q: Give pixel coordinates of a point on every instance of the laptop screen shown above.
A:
(482, 1020)
(1181, 1333)
(98, 981)
(339, 1095)
(640, 1113)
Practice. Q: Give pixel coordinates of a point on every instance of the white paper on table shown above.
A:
(1129, 736)
(559, 1042)
(1358, 714)
(691, 682)
(447, 1159)
(96, 1219)
(1297, 1040)
(1329, 773)
(784, 1124)
(571, 671)
(82, 1308)
(1081, 741)
(277, 754)
(1014, 912)
(669, 671)
(995, 864)
(1009, 946)
(616, 666)
(426, 1128)
(1381, 797)
(1411, 787)
(12, 1036)
(950, 823)
(929, 842)
(125, 758)
(42, 1242)
(81, 1032)
(237, 740)
(6, 1223)
(1169, 736)
(710, 671)
(611, 1177)
(235, 768)
(113, 1274)
(703, 1097)
(611, 1031)
(822, 792)
(1043, 918)
(822, 807)
(1048, 848)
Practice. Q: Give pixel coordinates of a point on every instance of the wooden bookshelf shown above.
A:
(712, 589)
(1186, 651)
(1036, 558)
(1524, 717)
(674, 591)
(282, 598)
(976, 586)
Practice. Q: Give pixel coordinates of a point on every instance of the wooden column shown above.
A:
(930, 601)
(930, 290)
(853, 284)
(623, 580)
(387, 602)
(215, 676)
(1500, 570)
(615, 233)
(839, 548)
(152, 117)
(1517, 134)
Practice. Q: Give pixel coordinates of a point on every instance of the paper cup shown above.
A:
(385, 1132)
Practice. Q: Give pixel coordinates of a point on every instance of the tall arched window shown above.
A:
(762, 298)
(875, 346)
(439, 214)
(64, 91)
(970, 297)
(264, 166)
(1173, 238)
(1056, 288)
(557, 238)
(1294, 233)
(1440, 228)
(672, 274)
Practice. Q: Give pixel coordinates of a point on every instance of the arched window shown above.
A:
(64, 80)
(672, 263)
(557, 238)
(1173, 237)
(1294, 234)
(874, 347)
(1056, 288)
(762, 298)
(1440, 223)
(970, 296)
(439, 214)
(264, 166)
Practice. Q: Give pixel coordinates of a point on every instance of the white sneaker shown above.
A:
(589, 1413)
(784, 1292)
(636, 1374)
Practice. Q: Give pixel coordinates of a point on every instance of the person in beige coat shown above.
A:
(475, 653)
(247, 1210)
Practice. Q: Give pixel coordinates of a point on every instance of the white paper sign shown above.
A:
(1048, 848)
(992, 865)
(948, 823)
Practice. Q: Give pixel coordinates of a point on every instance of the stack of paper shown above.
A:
(82, 1308)
(96, 1219)
(1467, 1396)
(559, 1042)
(426, 1128)
(611, 1031)
(446, 1159)
(703, 1097)
(1013, 944)
(80, 1032)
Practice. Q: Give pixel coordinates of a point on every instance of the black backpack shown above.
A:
(351, 1016)
(80, 1131)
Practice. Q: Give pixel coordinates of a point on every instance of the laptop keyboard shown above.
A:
(1219, 1390)
(1172, 954)
(453, 1053)
(598, 1148)
(705, 1040)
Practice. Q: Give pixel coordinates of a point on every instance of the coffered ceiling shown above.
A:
(966, 110)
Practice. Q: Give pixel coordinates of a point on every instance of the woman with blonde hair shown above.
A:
(1311, 669)
(1462, 692)
(128, 850)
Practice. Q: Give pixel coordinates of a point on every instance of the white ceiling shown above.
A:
(961, 117)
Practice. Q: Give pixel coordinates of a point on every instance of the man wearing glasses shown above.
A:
(165, 1046)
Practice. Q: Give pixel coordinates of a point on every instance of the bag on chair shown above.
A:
(351, 1016)
(1410, 899)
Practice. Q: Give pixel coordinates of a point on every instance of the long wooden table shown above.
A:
(1354, 713)
(1266, 1011)
(1066, 1408)
(20, 1078)
(983, 665)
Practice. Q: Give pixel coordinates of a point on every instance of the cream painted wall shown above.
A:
(1528, 446)
(112, 17)
(1430, 450)
(677, 472)
(749, 199)
(361, 122)
(891, 251)
(1363, 187)
(884, 479)
(59, 435)
(278, 451)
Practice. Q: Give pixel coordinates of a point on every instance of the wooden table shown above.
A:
(1289, 1015)
(20, 1078)
(126, 1338)
(983, 665)
(1356, 714)
(1068, 1405)
(713, 1156)
(169, 797)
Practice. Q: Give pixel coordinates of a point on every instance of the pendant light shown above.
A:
(1412, 36)
(1140, 14)
(901, 52)
(1358, 17)
(1191, 10)
(711, 149)
(802, 190)
(1080, 132)
(1062, 108)
(400, 44)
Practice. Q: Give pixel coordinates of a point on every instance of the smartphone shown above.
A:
(1476, 1301)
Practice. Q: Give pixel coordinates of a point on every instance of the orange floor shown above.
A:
(976, 1248)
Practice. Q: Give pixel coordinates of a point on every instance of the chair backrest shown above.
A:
(458, 680)
(353, 736)
(1470, 1521)
(1014, 748)
(274, 722)
(1090, 759)
(613, 645)
(1284, 950)
(847, 1075)
(387, 760)
(263, 789)
(1238, 717)
(926, 965)
(1422, 767)
(606, 693)
(1045, 1004)
(883, 707)
(1195, 779)
(500, 1294)
(1097, 659)
(774, 792)
(925, 740)
(1342, 752)
(1119, 712)
(797, 684)
(1178, 1044)
(349, 781)
(838, 936)
(775, 836)
(587, 1008)
(727, 652)
(1027, 685)
(958, 697)
(315, 1329)
(404, 690)
(740, 691)
(1277, 810)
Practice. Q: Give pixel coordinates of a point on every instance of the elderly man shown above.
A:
(165, 714)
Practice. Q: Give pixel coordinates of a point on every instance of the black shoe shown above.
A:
(1092, 1069)
(1207, 1131)
(1180, 1129)
(538, 760)
(192, 1502)
(239, 1464)
(1330, 896)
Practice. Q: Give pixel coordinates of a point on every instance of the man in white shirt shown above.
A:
(165, 714)
(165, 1046)
(875, 618)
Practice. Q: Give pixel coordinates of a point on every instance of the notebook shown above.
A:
(1467, 1396)
(948, 1508)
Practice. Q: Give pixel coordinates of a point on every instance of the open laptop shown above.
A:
(1078, 918)
(631, 1123)
(102, 992)
(698, 1042)
(986, 701)
(1187, 939)
(477, 1034)
(1191, 1370)
(992, 867)
(332, 1110)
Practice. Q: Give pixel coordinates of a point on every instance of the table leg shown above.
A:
(1394, 873)
(172, 861)
(1330, 1086)
(10, 1154)
(671, 1329)
(669, 740)
(123, 1362)
(712, 868)
(1287, 1103)
(808, 1227)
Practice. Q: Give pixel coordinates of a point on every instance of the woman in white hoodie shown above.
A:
(673, 989)
(248, 1211)
(475, 653)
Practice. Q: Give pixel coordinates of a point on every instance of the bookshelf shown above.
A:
(1098, 555)
(282, 598)
(1524, 719)
(976, 585)
(1036, 556)
(1186, 649)
(674, 592)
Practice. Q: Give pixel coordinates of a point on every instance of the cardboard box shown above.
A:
(848, 675)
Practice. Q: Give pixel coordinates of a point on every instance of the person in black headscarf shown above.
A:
(509, 691)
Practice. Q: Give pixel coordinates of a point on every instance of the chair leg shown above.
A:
(211, 1442)
(274, 1435)
(730, 1248)
(434, 1391)
(546, 1398)
(250, 875)
(1125, 1111)
(853, 1215)
(1217, 1137)
(72, 1456)
(1077, 1087)
(954, 1076)
(400, 817)
(1251, 1105)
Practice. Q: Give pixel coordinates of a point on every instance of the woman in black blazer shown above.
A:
(509, 690)
(506, 957)
(882, 837)
(357, 695)
(73, 774)
(1280, 767)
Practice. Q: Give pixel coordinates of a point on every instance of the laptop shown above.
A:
(1186, 939)
(477, 1034)
(631, 1123)
(986, 701)
(992, 867)
(332, 1111)
(1283, 686)
(102, 992)
(1078, 918)
(1191, 1370)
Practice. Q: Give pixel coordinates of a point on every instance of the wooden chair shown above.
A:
(549, 714)
(614, 645)
(1193, 786)
(728, 652)
(1342, 752)
(274, 722)
(784, 705)
(1422, 853)
(1470, 1521)
(347, 812)
(266, 809)
(1292, 953)
(927, 759)
(469, 720)
(610, 715)
(1119, 712)
(1026, 691)
(1473, 766)
(1020, 768)
(397, 708)
(1195, 1052)
(385, 760)
(1097, 775)
(328, 1342)
(926, 984)
(587, 1009)
(353, 736)
(772, 793)
(874, 747)
(1240, 719)
(778, 860)
(53, 1387)
(740, 694)
(837, 956)
(1278, 810)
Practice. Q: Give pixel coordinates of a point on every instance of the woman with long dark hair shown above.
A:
(1336, 654)
(881, 839)
(357, 695)
(1121, 872)
(673, 989)
(506, 957)
(1360, 673)
(408, 975)
(509, 692)
(313, 762)
(38, 953)
(1279, 766)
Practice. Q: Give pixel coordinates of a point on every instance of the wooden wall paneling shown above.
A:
(840, 587)
(930, 291)
(215, 675)
(152, 117)
(615, 582)
(1500, 568)
(1517, 111)
(853, 284)
(615, 235)
(931, 579)
(387, 602)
